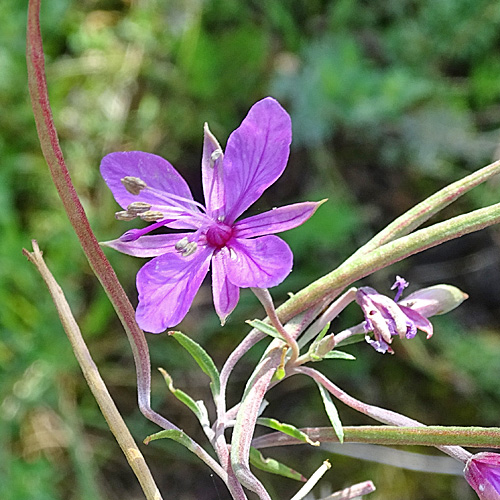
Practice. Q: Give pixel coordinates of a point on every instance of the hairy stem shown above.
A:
(99, 263)
(382, 415)
(432, 435)
(385, 255)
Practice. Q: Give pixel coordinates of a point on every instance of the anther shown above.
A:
(189, 249)
(124, 215)
(133, 185)
(138, 207)
(215, 156)
(181, 244)
(151, 216)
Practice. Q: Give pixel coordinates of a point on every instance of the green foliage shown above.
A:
(273, 466)
(331, 411)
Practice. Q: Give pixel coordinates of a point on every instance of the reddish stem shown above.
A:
(53, 155)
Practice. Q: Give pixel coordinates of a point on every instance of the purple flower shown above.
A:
(241, 253)
(387, 318)
(482, 472)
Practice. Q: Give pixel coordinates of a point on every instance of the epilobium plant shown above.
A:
(246, 254)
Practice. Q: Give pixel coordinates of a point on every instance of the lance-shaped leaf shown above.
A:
(202, 358)
(174, 434)
(197, 407)
(332, 413)
(289, 429)
(265, 328)
(273, 466)
(333, 355)
(319, 338)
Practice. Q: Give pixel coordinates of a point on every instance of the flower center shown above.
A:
(219, 234)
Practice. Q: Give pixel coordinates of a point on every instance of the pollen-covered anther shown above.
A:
(189, 249)
(134, 185)
(151, 216)
(181, 244)
(125, 215)
(215, 156)
(138, 207)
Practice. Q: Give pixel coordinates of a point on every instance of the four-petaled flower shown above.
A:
(482, 472)
(242, 253)
(387, 318)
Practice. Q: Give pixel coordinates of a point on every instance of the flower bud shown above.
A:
(482, 472)
(438, 299)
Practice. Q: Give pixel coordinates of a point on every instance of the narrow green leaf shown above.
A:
(273, 466)
(197, 407)
(319, 338)
(201, 357)
(338, 355)
(265, 328)
(332, 413)
(174, 434)
(289, 429)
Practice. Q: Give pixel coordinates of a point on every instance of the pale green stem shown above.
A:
(431, 435)
(422, 212)
(382, 415)
(94, 380)
(389, 253)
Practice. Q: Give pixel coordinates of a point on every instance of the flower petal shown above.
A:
(167, 286)
(155, 171)
(276, 220)
(211, 173)
(147, 246)
(256, 155)
(226, 295)
(482, 472)
(261, 262)
(421, 322)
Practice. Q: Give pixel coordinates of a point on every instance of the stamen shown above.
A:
(125, 215)
(215, 156)
(181, 244)
(135, 234)
(151, 216)
(138, 207)
(189, 249)
(173, 199)
(133, 185)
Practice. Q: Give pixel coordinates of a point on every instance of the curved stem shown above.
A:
(267, 302)
(99, 263)
(382, 415)
(94, 379)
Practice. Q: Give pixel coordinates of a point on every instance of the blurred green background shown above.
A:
(389, 101)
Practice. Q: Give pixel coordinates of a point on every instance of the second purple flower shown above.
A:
(242, 253)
